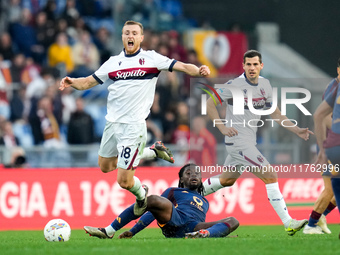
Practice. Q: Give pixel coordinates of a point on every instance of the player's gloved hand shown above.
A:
(126, 234)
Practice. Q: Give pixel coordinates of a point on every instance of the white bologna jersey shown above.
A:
(131, 83)
(246, 124)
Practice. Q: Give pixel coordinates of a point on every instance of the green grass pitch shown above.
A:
(250, 240)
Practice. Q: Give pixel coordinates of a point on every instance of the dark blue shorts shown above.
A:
(178, 225)
(333, 156)
(328, 171)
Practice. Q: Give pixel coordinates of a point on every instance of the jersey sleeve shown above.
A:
(330, 87)
(102, 74)
(224, 91)
(163, 63)
(331, 97)
(166, 192)
(143, 222)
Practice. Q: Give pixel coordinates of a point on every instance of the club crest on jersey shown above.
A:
(141, 61)
(119, 63)
(262, 91)
(260, 158)
(245, 91)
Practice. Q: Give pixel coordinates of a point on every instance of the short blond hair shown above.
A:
(131, 22)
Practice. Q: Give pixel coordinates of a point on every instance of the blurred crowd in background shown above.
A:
(41, 41)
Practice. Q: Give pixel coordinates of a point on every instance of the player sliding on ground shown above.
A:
(131, 78)
(180, 212)
(240, 139)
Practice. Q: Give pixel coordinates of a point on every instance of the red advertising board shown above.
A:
(29, 198)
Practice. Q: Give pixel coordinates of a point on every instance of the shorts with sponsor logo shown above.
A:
(244, 154)
(178, 224)
(125, 141)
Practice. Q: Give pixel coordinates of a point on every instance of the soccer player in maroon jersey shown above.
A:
(329, 144)
(180, 212)
(325, 203)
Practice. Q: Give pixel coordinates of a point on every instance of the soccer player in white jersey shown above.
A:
(240, 138)
(131, 77)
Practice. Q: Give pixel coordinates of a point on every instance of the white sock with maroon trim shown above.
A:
(278, 203)
(148, 153)
(110, 231)
(137, 189)
(212, 185)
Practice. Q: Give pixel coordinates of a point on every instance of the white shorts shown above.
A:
(125, 141)
(245, 155)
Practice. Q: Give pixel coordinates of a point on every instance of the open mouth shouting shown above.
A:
(130, 43)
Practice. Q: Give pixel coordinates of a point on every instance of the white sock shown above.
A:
(137, 189)
(278, 203)
(110, 231)
(212, 185)
(148, 153)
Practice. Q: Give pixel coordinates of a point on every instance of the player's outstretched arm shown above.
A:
(78, 83)
(191, 69)
(216, 119)
(286, 123)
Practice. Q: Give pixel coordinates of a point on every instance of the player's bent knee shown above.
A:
(233, 222)
(104, 170)
(270, 180)
(154, 201)
(124, 183)
(327, 185)
(227, 182)
(106, 165)
(328, 190)
(160, 205)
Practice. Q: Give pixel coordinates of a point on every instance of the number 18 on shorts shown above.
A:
(125, 141)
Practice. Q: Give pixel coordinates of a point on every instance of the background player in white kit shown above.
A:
(240, 139)
(131, 77)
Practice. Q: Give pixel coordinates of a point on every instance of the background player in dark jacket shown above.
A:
(180, 212)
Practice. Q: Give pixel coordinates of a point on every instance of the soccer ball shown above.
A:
(57, 230)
